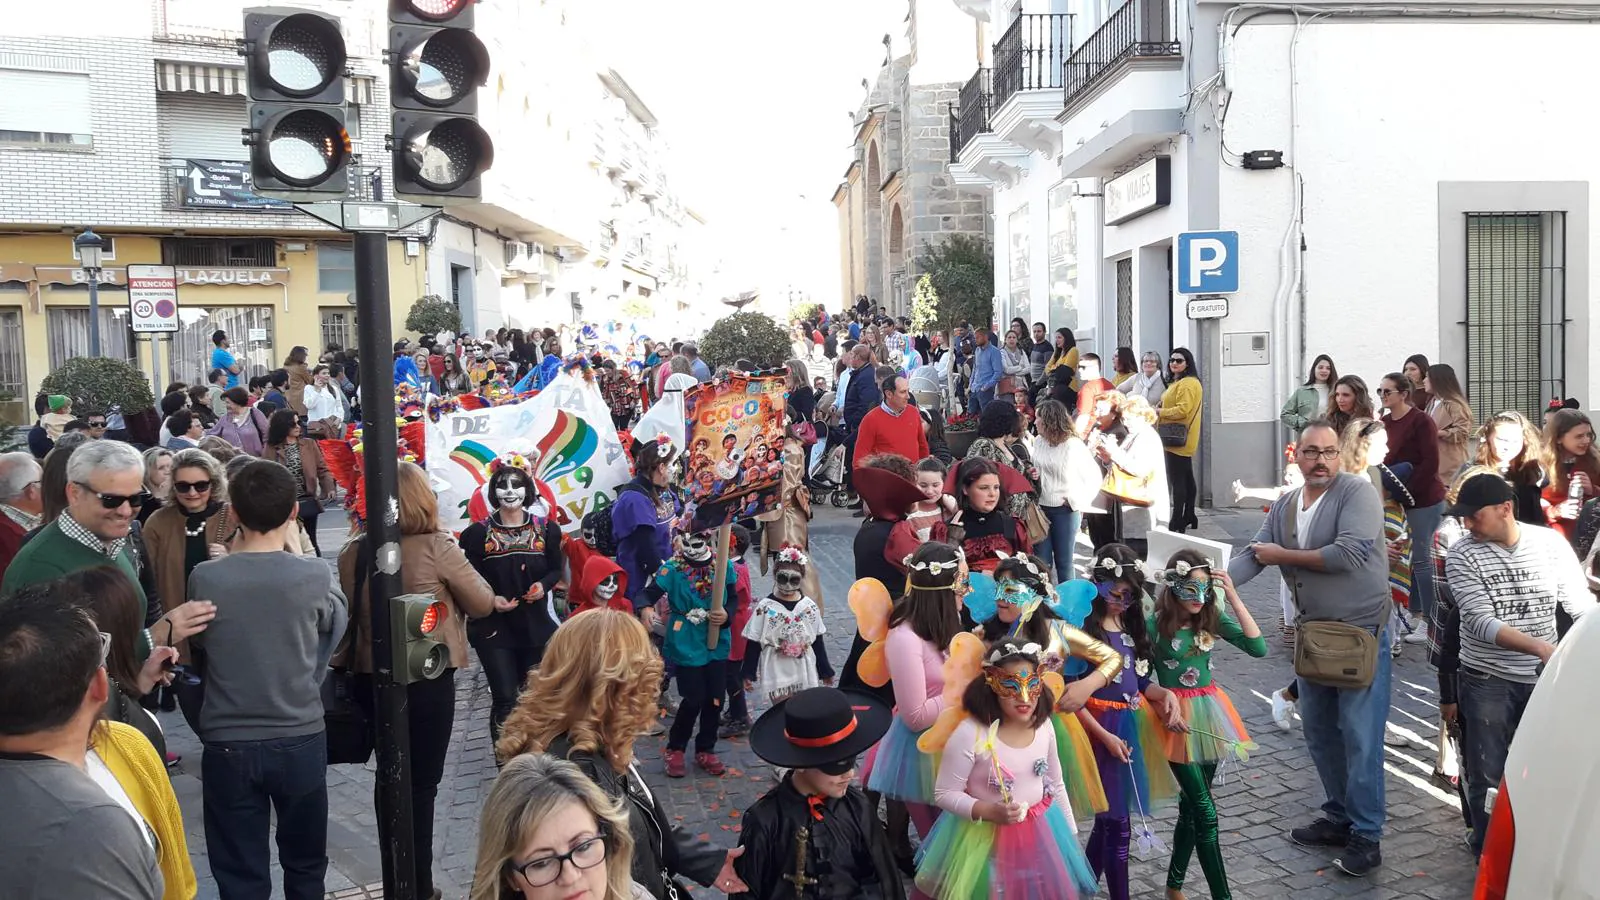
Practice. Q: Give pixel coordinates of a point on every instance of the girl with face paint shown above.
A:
(1006, 828)
(685, 584)
(787, 627)
(518, 551)
(1129, 742)
(1187, 622)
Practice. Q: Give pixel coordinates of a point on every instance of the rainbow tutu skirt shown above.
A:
(1147, 780)
(897, 769)
(1214, 727)
(1035, 859)
(1078, 768)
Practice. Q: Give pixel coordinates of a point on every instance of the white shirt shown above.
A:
(323, 403)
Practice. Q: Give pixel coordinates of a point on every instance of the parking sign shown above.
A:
(1208, 262)
(153, 299)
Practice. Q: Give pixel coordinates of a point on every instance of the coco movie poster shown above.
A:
(734, 460)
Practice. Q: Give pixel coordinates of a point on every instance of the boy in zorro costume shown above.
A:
(816, 835)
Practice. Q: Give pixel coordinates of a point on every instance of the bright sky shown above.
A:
(753, 97)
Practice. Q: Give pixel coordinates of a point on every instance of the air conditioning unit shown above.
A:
(536, 252)
(518, 259)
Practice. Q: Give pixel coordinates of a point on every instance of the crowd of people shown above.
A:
(976, 708)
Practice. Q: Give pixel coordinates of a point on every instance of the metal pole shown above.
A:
(94, 313)
(379, 436)
(155, 363)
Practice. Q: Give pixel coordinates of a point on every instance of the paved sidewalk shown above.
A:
(1275, 791)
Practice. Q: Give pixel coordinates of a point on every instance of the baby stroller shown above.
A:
(826, 473)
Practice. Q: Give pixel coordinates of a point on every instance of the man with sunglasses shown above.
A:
(63, 834)
(1326, 538)
(105, 491)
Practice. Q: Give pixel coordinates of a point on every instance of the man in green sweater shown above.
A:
(105, 489)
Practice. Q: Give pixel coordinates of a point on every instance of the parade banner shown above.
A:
(581, 461)
(734, 460)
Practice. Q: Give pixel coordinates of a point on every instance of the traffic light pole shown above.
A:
(379, 438)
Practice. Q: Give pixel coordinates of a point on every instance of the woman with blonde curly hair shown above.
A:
(592, 696)
(548, 831)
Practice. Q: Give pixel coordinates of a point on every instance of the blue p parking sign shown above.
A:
(1208, 262)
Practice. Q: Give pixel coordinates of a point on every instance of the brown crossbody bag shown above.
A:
(1334, 654)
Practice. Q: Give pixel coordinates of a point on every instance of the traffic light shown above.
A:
(436, 65)
(417, 654)
(295, 80)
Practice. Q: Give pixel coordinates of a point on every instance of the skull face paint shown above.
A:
(697, 547)
(511, 492)
(607, 588)
(787, 581)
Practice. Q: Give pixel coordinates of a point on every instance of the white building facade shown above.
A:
(1391, 196)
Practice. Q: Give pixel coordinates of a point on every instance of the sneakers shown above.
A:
(1322, 833)
(1393, 738)
(1416, 629)
(673, 762)
(708, 762)
(1360, 856)
(1282, 710)
(172, 759)
(732, 728)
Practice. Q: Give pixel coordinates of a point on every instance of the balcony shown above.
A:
(970, 116)
(1141, 33)
(1029, 56)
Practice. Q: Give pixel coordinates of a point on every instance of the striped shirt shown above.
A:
(1496, 586)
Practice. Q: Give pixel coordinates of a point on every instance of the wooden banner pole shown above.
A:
(719, 583)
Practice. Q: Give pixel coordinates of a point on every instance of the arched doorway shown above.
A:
(874, 225)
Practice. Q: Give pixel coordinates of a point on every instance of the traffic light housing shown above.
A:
(418, 655)
(436, 65)
(295, 77)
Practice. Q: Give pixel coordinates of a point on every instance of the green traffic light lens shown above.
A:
(305, 147)
(304, 54)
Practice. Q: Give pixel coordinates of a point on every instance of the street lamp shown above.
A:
(89, 246)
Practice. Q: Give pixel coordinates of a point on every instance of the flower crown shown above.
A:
(792, 555)
(935, 567)
(1180, 571)
(516, 460)
(1033, 569)
(1007, 650)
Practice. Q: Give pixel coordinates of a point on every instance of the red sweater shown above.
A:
(10, 541)
(883, 433)
(1415, 439)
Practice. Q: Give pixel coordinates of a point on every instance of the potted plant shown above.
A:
(959, 432)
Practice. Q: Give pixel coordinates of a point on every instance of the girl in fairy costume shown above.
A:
(1187, 622)
(1007, 828)
(1023, 610)
(1129, 741)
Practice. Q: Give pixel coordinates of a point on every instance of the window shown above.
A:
(1516, 311)
(249, 330)
(1125, 302)
(336, 268)
(46, 109)
(338, 327)
(13, 375)
(1063, 250)
(220, 252)
(68, 331)
(107, 253)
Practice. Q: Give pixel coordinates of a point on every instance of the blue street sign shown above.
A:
(1208, 262)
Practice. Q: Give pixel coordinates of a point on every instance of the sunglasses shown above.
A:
(191, 487)
(1384, 392)
(97, 423)
(1178, 361)
(115, 501)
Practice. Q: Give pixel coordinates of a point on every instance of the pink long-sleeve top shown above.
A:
(917, 668)
(966, 775)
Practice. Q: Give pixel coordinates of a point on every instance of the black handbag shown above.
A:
(351, 733)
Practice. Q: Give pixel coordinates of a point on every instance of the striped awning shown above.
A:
(229, 81)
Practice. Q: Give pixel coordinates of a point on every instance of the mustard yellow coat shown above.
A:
(141, 772)
(1180, 404)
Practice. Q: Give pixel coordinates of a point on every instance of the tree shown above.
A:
(805, 311)
(746, 335)
(924, 306)
(432, 314)
(961, 273)
(97, 383)
(637, 309)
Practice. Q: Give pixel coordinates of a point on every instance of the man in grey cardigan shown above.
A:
(1333, 558)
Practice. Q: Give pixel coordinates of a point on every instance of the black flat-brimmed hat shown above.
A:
(819, 726)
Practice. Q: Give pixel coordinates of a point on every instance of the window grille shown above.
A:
(1516, 311)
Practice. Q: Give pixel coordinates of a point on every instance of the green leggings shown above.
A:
(1197, 830)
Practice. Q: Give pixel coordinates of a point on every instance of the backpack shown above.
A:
(598, 529)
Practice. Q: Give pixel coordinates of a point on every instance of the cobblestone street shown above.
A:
(1276, 790)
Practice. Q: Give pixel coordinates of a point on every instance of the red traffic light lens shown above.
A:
(436, 10)
(431, 617)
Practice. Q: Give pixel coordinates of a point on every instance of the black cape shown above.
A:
(848, 851)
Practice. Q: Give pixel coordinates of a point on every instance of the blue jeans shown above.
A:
(981, 396)
(243, 784)
(1344, 733)
(1422, 522)
(1491, 708)
(1062, 542)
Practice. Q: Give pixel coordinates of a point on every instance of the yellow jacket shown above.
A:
(141, 772)
(1180, 404)
(1070, 360)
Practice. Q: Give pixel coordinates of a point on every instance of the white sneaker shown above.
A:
(1418, 632)
(1282, 710)
(1394, 738)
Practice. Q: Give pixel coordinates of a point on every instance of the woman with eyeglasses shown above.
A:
(1414, 439)
(547, 831)
(1349, 401)
(1453, 417)
(1508, 444)
(1181, 404)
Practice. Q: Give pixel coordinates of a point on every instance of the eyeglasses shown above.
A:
(191, 487)
(115, 501)
(105, 648)
(97, 423)
(1312, 454)
(546, 869)
(1384, 392)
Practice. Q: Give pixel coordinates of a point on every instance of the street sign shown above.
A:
(1208, 308)
(1208, 262)
(153, 299)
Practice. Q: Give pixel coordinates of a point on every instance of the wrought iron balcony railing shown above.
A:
(1029, 56)
(1141, 29)
(970, 116)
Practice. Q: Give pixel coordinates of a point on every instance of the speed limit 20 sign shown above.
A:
(153, 299)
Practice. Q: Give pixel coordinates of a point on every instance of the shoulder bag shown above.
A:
(349, 727)
(1176, 434)
(1125, 486)
(1333, 654)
